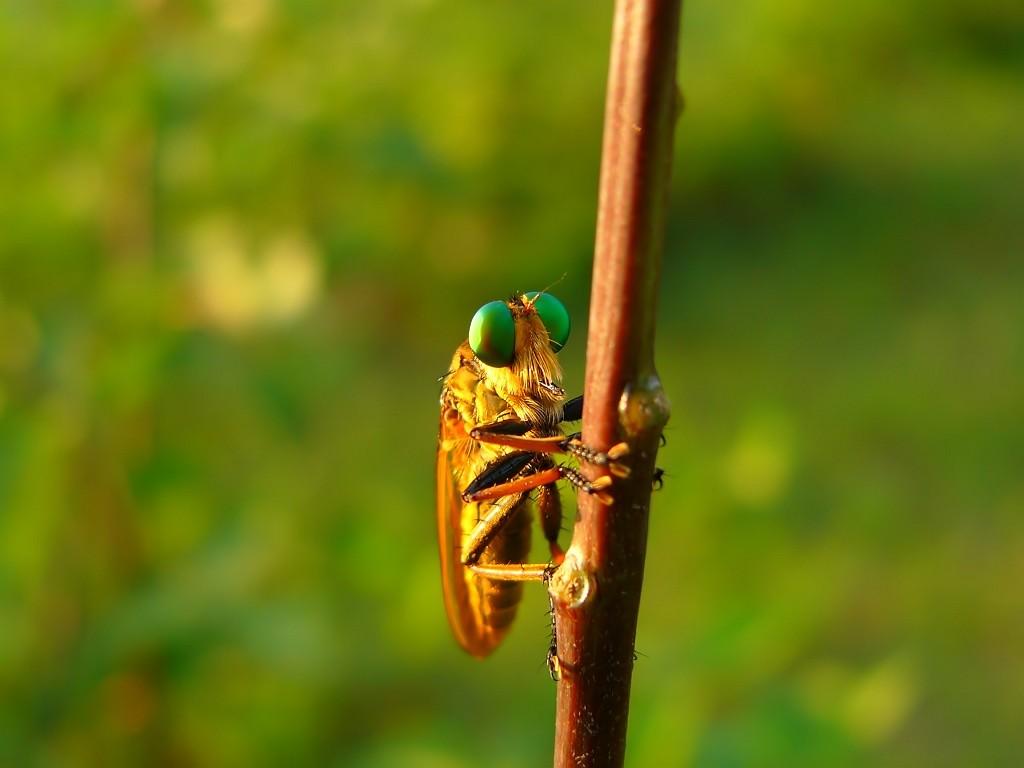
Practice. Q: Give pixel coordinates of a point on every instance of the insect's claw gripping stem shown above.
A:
(595, 488)
(575, 447)
(618, 450)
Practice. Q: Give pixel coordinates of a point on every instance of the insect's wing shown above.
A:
(463, 590)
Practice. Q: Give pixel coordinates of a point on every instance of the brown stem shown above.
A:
(596, 592)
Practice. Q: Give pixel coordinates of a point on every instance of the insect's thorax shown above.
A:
(524, 391)
(483, 395)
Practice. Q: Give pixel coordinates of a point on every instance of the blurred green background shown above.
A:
(239, 241)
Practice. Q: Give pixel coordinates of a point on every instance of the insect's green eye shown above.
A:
(554, 315)
(492, 334)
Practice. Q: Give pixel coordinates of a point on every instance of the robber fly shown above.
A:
(502, 407)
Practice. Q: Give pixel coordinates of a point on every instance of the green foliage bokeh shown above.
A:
(239, 241)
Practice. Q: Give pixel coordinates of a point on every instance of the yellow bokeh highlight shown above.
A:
(880, 701)
(243, 16)
(236, 290)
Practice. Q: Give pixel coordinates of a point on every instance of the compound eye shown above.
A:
(554, 315)
(492, 334)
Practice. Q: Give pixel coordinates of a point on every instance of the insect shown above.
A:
(502, 410)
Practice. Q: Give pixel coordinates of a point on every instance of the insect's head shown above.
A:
(501, 331)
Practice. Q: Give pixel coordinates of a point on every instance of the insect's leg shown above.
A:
(551, 444)
(490, 524)
(507, 427)
(549, 507)
(544, 477)
(554, 663)
(512, 571)
(571, 445)
(501, 470)
(496, 517)
(572, 410)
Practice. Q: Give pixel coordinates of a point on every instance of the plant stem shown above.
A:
(596, 592)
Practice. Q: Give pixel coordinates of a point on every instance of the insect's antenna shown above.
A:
(530, 302)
